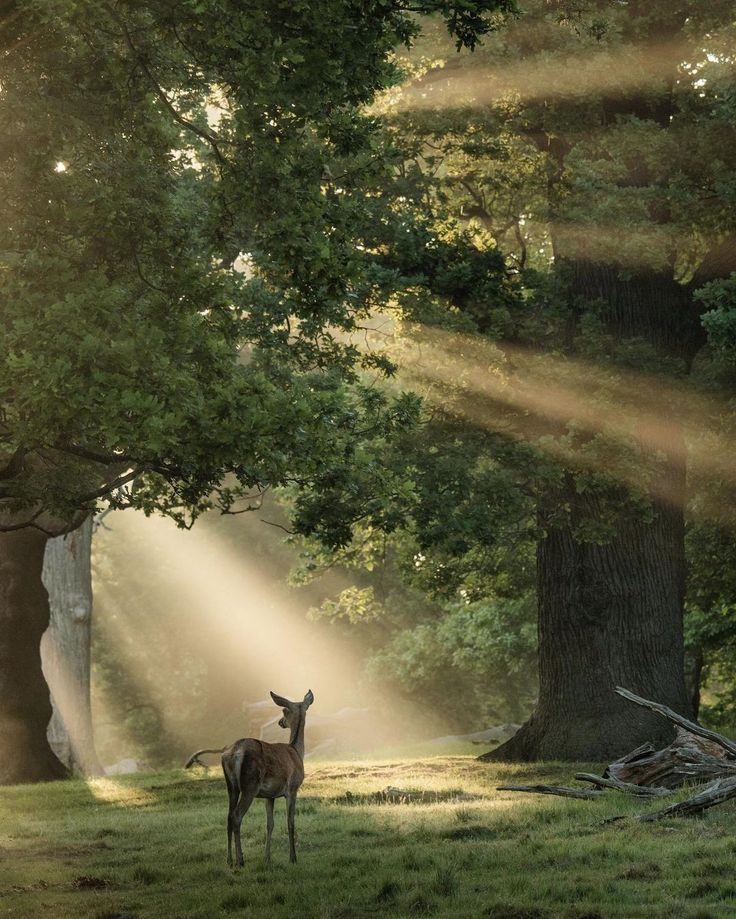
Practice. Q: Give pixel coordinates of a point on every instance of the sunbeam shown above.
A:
(219, 628)
(568, 77)
(541, 397)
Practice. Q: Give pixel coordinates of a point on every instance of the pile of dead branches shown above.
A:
(695, 756)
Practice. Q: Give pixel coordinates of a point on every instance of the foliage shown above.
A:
(719, 297)
(474, 664)
(566, 231)
(443, 606)
(185, 192)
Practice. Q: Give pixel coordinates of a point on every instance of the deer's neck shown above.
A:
(297, 734)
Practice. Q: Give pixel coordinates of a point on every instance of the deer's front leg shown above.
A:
(290, 815)
(269, 828)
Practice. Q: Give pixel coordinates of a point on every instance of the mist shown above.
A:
(193, 628)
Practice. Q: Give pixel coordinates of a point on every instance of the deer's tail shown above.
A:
(194, 758)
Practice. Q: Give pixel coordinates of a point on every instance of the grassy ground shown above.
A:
(154, 845)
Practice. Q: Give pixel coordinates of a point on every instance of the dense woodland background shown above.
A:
(446, 293)
(573, 140)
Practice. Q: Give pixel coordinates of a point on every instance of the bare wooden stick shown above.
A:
(715, 768)
(683, 722)
(673, 765)
(716, 793)
(562, 790)
(641, 791)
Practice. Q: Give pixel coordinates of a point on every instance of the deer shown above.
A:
(256, 769)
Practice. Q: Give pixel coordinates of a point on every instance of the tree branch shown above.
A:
(562, 790)
(728, 745)
(641, 791)
(211, 138)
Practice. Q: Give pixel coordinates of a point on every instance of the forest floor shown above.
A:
(154, 845)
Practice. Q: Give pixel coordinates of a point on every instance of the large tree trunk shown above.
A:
(65, 648)
(611, 615)
(25, 707)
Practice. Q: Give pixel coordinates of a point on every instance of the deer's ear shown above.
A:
(309, 698)
(280, 700)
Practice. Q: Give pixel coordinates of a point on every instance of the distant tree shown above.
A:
(180, 182)
(66, 648)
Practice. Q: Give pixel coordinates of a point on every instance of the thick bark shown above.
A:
(25, 707)
(65, 648)
(694, 664)
(648, 304)
(609, 615)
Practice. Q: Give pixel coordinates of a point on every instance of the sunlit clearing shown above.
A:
(112, 792)
(148, 676)
(207, 627)
(242, 613)
(61, 166)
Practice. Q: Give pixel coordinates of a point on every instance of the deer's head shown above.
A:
(293, 711)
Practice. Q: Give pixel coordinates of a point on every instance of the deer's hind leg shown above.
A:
(246, 799)
(232, 794)
(250, 783)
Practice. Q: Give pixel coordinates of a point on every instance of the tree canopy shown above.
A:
(578, 142)
(184, 187)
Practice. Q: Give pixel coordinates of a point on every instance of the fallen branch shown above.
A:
(728, 745)
(708, 767)
(695, 753)
(641, 791)
(687, 756)
(561, 790)
(714, 794)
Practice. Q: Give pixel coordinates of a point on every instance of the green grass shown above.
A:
(154, 845)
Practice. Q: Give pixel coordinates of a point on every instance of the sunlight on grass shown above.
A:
(72, 852)
(113, 792)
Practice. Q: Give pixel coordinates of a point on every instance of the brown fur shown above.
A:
(255, 769)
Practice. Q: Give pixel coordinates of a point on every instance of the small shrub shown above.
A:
(713, 868)
(704, 889)
(410, 861)
(88, 882)
(419, 905)
(143, 875)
